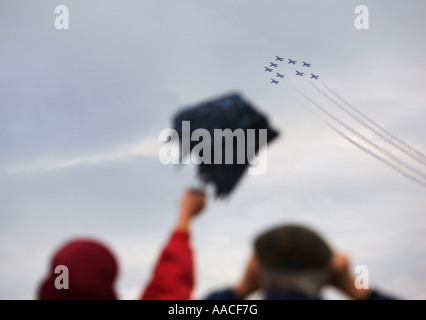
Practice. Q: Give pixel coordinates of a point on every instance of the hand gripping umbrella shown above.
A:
(232, 132)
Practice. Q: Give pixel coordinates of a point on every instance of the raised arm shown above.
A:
(343, 279)
(173, 274)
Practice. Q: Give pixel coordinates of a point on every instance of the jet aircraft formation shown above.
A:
(279, 59)
(362, 132)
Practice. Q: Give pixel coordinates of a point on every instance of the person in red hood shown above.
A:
(93, 268)
(92, 271)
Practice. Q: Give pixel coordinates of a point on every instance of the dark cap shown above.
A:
(292, 247)
(92, 270)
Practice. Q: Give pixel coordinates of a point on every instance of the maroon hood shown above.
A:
(92, 270)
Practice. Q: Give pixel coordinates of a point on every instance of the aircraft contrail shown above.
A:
(362, 137)
(368, 151)
(387, 136)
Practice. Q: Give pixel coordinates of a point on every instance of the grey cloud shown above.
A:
(124, 68)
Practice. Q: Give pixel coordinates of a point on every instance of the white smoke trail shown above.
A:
(365, 139)
(147, 147)
(388, 137)
(363, 148)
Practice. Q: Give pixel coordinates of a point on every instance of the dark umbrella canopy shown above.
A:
(232, 112)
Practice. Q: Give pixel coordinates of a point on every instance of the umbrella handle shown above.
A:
(199, 187)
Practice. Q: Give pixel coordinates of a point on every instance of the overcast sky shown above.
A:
(81, 111)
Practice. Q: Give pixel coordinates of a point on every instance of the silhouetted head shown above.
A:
(86, 266)
(292, 258)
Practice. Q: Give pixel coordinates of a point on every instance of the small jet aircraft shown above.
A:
(268, 69)
(314, 76)
(305, 64)
(273, 64)
(291, 61)
(280, 75)
(274, 81)
(278, 58)
(299, 73)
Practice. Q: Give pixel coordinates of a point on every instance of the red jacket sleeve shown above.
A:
(173, 277)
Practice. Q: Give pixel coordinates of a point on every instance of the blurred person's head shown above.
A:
(92, 270)
(292, 258)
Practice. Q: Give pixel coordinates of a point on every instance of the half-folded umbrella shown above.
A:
(230, 132)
